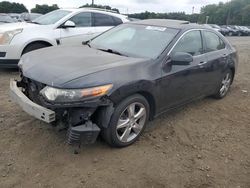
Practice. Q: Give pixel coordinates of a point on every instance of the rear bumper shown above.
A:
(30, 107)
(9, 63)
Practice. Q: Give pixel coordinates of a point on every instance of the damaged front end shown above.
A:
(80, 119)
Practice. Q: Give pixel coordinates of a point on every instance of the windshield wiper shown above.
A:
(112, 51)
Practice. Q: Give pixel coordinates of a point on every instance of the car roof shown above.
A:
(97, 10)
(178, 24)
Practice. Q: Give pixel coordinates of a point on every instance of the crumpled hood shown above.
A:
(13, 26)
(56, 66)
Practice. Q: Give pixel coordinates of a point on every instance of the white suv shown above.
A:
(60, 27)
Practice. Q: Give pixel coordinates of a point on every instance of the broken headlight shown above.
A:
(74, 95)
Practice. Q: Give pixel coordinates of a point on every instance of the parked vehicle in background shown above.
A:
(124, 77)
(29, 17)
(241, 32)
(4, 18)
(219, 29)
(245, 29)
(60, 27)
(15, 16)
(231, 31)
(133, 19)
(209, 26)
(223, 31)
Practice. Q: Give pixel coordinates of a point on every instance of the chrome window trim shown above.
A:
(170, 51)
(220, 39)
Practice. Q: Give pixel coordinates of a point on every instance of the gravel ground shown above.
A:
(204, 144)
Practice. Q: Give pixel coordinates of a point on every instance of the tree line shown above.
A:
(106, 7)
(234, 12)
(8, 7)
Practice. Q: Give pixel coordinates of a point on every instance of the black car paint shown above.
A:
(165, 86)
(65, 70)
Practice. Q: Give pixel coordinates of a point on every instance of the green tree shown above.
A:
(173, 15)
(246, 15)
(235, 12)
(44, 9)
(7, 7)
(101, 7)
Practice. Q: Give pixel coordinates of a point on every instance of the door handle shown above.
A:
(224, 55)
(202, 63)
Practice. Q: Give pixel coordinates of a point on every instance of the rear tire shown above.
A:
(34, 46)
(225, 85)
(127, 122)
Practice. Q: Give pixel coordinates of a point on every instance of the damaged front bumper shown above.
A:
(80, 127)
(30, 107)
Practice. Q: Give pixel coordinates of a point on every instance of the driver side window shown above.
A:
(82, 19)
(190, 43)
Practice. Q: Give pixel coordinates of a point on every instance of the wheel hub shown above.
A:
(225, 84)
(131, 122)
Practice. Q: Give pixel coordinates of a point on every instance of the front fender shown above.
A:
(140, 86)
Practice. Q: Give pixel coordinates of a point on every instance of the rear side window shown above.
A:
(190, 43)
(213, 42)
(103, 20)
(82, 19)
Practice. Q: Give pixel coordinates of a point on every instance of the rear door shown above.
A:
(217, 55)
(83, 31)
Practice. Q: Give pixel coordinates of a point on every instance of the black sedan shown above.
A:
(222, 30)
(231, 31)
(121, 79)
(241, 31)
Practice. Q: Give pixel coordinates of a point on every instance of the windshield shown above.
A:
(135, 40)
(52, 17)
(34, 16)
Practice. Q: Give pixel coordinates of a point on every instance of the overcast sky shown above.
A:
(130, 6)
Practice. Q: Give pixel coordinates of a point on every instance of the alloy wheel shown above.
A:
(131, 122)
(226, 82)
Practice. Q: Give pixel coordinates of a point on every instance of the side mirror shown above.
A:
(86, 42)
(181, 58)
(69, 24)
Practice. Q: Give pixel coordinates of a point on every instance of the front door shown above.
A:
(182, 83)
(83, 30)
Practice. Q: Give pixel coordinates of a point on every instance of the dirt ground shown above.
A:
(204, 144)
